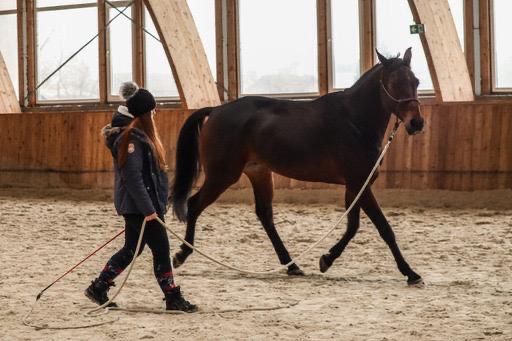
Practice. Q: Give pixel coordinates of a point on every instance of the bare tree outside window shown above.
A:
(59, 34)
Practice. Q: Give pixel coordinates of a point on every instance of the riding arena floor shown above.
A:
(463, 251)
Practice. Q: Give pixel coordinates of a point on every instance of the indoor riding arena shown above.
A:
(286, 170)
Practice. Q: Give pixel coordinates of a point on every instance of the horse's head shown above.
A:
(399, 91)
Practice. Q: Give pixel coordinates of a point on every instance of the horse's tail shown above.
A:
(187, 162)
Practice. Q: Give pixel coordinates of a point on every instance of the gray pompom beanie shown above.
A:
(138, 100)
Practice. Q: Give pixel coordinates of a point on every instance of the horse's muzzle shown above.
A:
(415, 126)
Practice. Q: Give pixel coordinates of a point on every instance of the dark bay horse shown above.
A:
(334, 139)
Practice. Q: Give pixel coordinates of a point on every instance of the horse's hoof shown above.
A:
(295, 271)
(176, 263)
(325, 264)
(416, 282)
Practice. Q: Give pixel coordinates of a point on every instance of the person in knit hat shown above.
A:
(140, 192)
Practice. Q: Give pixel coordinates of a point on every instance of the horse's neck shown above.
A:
(370, 115)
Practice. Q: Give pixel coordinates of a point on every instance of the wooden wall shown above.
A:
(465, 147)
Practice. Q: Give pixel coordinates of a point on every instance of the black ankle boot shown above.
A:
(97, 292)
(175, 301)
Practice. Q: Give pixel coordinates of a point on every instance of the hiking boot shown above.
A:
(175, 301)
(97, 292)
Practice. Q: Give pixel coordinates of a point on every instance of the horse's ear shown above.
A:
(408, 56)
(382, 59)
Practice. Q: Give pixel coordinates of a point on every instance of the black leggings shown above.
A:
(155, 236)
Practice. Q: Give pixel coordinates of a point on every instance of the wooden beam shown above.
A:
(469, 46)
(8, 101)
(367, 34)
(485, 46)
(31, 53)
(102, 52)
(323, 48)
(185, 52)
(219, 47)
(232, 49)
(138, 42)
(442, 47)
(21, 48)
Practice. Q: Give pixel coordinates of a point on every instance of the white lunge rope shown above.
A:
(105, 305)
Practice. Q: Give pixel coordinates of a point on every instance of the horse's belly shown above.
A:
(312, 171)
(317, 176)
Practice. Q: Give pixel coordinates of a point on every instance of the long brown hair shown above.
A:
(146, 124)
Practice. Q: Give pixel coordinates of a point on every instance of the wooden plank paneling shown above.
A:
(8, 101)
(185, 52)
(464, 147)
(443, 50)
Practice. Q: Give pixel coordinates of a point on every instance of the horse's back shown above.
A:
(292, 138)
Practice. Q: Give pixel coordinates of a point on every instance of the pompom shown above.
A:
(128, 89)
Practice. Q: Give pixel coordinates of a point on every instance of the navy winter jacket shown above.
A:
(141, 187)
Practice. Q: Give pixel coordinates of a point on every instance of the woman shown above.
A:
(140, 193)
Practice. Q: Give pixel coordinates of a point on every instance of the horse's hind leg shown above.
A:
(373, 211)
(206, 195)
(261, 180)
(352, 227)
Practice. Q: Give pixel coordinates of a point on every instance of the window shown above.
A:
(48, 3)
(457, 9)
(501, 47)
(119, 48)
(8, 5)
(9, 41)
(393, 37)
(393, 34)
(345, 43)
(203, 12)
(61, 31)
(278, 56)
(159, 77)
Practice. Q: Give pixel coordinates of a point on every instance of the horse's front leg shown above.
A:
(371, 208)
(352, 227)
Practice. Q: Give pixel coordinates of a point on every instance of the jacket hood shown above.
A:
(120, 120)
(122, 117)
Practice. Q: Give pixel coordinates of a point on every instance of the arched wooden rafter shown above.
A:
(8, 100)
(180, 39)
(441, 44)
